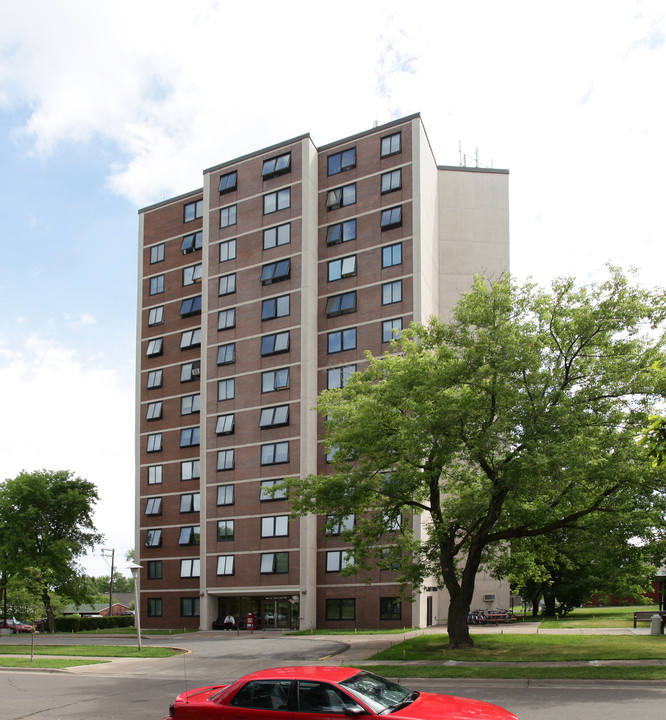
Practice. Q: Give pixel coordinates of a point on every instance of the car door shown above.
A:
(321, 700)
(261, 700)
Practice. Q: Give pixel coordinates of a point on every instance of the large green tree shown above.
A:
(515, 419)
(46, 523)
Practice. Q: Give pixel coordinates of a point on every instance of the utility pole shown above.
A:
(113, 553)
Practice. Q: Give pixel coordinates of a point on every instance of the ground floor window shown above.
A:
(390, 608)
(340, 608)
(154, 607)
(268, 611)
(189, 607)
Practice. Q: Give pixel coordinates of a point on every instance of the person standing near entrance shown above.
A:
(229, 622)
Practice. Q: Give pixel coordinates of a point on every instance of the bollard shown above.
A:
(655, 625)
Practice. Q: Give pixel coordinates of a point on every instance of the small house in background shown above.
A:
(102, 609)
(658, 593)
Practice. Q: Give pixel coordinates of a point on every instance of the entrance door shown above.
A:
(276, 614)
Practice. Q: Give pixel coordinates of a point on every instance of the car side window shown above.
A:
(264, 694)
(318, 697)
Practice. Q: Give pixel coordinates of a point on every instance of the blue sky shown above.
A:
(106, 107)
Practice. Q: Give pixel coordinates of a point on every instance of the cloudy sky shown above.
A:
(106, 107)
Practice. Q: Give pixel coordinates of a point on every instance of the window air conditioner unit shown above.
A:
(489, 598)
(196, 372)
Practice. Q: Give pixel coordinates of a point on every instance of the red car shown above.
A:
(15, 625)
(304, 693)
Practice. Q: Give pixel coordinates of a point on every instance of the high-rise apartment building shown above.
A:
(257, 292)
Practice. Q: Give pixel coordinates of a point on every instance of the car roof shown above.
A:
(304, 672)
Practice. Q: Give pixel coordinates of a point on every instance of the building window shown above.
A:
(226, 389)
(189, 535)
(226, 319)
(337, 527)
(338, 377)
(192, 242)
(225, 530)
(193, 210)
(227, 250)
(275, 236)
(190, 502)
(154, 607)
(388, 562)
(392, 255)
(228, 182)
(341, 304)
(342, 340)
(190, 470)
(390, 608)
(189, 607)
(154, 538)
(391, 181)
(341, 268)
(228, 216)
(192, 274)
(156, 315)
(157, 284)
(226, 354)
(154, 379)
(268, 492)
(273, 380)
(190, 568)
(274, 344)
(391, 218)
(225, 424)
(341, 232)
(154, 410)
(275, 526)
(275, 453)
(341, 197)
(190, 371)
(276, 272)
(157, 253)
(337, 560)
(154, 475)
(154, 506)
(191, 306)
(391, 329)
(225, 459)
(391, 144)
(190, 404)
(225, 494)
(154, 570)
(392, 292)
(341, 161)
(276, 307)
(276, 201)
(154, 443)
(274, 563)
(340, 609)
(227, 285)
(276, 166)
(225, 565)
(189, 437)
(277, 416)
(190, 339)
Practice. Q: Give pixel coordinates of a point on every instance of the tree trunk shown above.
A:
(50, 617)
(549, 600)
(457, 623)
(535, 604)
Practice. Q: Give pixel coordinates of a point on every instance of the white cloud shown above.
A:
(63, 411)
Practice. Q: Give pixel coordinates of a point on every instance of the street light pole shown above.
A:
(134, 569)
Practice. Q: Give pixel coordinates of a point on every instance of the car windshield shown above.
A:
(377, 693)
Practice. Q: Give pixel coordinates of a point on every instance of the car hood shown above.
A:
(429, 706)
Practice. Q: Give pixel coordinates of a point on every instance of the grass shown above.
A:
(605, 617)
(537, 673)
(352, 631)
(50, 663)
(88, 651)
(530, 648)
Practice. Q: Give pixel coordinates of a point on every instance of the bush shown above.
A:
(76, 623)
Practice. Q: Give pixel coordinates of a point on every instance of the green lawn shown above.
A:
(87, 651)
(605, 617)
(535, 673)
(51, 663)
(530, 648)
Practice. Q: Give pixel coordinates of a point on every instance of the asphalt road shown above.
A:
(142, 690)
